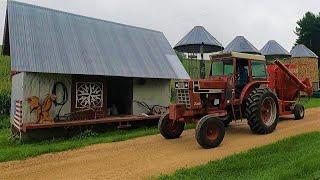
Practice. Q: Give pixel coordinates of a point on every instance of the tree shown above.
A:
(181, 55)
(308, 31)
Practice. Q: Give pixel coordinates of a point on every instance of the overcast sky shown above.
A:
(257, 20)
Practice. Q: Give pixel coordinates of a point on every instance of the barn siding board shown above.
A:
(16, 92)
(153, 92)
(40, 84)
(51, 41)
(82, 78)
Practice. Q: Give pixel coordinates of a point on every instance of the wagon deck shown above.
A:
(106, 120)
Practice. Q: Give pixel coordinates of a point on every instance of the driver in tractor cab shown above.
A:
(242, 77)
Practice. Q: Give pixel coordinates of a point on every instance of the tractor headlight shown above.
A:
(186, 85)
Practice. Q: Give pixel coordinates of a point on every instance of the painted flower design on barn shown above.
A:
(89, 95)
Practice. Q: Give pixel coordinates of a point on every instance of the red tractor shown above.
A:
(238, 87)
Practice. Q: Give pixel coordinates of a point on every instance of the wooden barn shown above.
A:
(306, 62)
(70, 70)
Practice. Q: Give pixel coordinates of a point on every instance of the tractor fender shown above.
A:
(176, 111)
(248, 88)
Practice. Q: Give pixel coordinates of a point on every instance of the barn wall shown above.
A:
(41, 84)
(152, 92)
(16, 92)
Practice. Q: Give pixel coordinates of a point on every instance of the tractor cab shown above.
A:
(241, 68)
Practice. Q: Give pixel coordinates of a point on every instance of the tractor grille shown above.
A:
(183, 97)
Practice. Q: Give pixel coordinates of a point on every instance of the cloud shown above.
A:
(258, 20)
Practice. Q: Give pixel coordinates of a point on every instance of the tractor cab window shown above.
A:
(258, 70)
(220, 68)
(242, 75)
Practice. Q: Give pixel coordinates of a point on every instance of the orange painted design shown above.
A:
(42, 110)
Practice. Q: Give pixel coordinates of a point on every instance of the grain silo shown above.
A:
(272, 50)
(307, 64)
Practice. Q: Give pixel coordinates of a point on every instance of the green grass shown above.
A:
(13, 150)
(310, 102)
(5, 78)
(4, 122)
(293, 158)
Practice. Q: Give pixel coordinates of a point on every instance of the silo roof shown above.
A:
(242, 45)
(272, 48)
(301, 50)
(194, 39)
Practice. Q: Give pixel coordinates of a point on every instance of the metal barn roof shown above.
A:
(273, 48)
(51, 41)
(242, 45)
(192, 41)
(301, 50)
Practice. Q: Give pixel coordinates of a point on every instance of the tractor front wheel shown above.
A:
(298, 112)
(170, 129)
(210, 132)
(262, 111)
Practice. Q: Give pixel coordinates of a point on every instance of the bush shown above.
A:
(4, 122)
(5, 103)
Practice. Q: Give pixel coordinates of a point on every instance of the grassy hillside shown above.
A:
(5, 84)
(293, 158)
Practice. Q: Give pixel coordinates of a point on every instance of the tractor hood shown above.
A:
(211, 85)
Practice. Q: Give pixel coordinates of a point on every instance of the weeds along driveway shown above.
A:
(148, 156)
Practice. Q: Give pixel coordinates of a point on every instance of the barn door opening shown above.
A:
(119, 96)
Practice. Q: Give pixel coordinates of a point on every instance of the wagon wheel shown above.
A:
(298, 112)
(170, 129)
(210, 132)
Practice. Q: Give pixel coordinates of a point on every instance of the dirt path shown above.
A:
(148, 156)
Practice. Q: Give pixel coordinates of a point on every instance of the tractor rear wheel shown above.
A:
(298, 112)
(170, 129)
(210, 132)
(262, 111)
